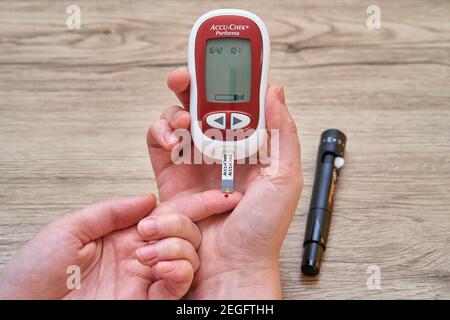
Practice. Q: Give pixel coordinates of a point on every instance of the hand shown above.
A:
(239, 251)
(114, 260)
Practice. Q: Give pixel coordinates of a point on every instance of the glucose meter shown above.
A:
(228, 67)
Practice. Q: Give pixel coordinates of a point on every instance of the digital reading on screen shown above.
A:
(228, 70)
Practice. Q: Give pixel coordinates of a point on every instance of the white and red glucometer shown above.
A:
(228, 65)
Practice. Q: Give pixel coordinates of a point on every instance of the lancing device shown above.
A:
(330, 160)
(228, 66)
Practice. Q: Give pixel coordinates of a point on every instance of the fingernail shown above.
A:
(176, 116)
(151, 199)
(169, 138)
(280, 94)
(148, 227)
(148, 252)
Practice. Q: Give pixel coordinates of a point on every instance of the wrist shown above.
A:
(241, 283)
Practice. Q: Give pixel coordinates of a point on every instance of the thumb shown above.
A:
(281, 126)
(102, 218)
(199, 206)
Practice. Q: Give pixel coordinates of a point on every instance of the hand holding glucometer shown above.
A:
(228, 67)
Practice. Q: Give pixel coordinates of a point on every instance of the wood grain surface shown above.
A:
(75, 106)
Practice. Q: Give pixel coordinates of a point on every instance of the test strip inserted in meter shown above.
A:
(228, 63)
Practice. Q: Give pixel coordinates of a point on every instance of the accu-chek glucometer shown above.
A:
(228, 66)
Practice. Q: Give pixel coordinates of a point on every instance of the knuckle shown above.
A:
(291, 126)
(165, 112)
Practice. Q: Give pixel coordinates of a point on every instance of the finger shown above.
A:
(279, 118)
(168, 249)
(102, 218)
(178, 82)
(173, 280)
(160, 139)
(169, 225)
(177, 117)
(161, 134)
(169, 112)
(199, 206)
(158, 149)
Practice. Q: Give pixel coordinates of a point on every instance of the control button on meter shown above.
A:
(239, 120)
(216, 120)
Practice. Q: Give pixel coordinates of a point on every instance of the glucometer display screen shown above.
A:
(228, 70)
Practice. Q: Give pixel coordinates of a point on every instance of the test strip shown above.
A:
(227, 172)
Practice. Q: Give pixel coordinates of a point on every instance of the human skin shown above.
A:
(106, 242)
(240, 249)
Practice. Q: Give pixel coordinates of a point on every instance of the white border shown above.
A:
(255, 140)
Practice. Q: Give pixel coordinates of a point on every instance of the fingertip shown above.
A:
(164, 267)
(281, 124)
(151, 198)
(102, 218)
(160, 134)
(280, 94)
(275, 94)
(235, 196)
(148, 228)
(178, 80)
(181, 120)
(170, 139)
(177, 270)
(173, 279)
(145, 255)
(276, 111)
(146, 199)
(275, 91)
(218, 201)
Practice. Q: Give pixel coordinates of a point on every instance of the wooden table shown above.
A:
(75, 106)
